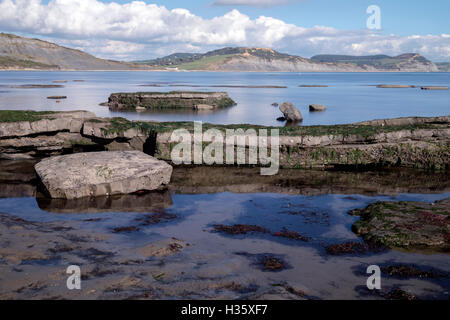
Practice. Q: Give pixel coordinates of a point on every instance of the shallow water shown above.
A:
(215, 265)
(350, 97)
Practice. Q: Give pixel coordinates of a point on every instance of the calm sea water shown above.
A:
(350, 97)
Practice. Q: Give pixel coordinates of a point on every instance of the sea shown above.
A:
(349, 97)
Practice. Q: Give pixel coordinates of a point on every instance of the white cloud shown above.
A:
(137, 30)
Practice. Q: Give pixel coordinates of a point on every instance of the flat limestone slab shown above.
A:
(102, 174)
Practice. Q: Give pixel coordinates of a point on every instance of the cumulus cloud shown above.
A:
(137, 30)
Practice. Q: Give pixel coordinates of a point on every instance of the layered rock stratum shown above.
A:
(405, 142)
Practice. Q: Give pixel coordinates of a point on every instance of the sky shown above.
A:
(135, 30)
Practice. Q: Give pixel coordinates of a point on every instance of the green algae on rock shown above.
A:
(408, 225)
(414, 142)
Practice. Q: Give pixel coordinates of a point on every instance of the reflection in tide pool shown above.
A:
(212, 263)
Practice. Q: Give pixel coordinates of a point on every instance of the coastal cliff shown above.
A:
(268, 60)
(18, 53)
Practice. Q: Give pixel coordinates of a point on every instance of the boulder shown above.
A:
(102, 174)
(317, 108)
(290, 112)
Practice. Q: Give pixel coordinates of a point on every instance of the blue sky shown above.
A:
(128, 31)
(402, 17)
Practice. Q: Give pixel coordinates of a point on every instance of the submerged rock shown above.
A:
(102, 173)
(407, 225)
(290, 112)
(37, 86)
(347, 248)
(395, 86)
(273, 264)
(292, 235)
(240, 229)
(57, 97)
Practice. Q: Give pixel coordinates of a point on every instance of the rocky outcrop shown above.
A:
(47, 123)
(406, 142)
(37, 134)
(290, 112)
(169, 100)
(102, 174)
(410, 225)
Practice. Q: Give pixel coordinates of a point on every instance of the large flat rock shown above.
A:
(168, 100)
(102, 174)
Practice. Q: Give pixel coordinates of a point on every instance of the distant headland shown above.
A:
(19, 53)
